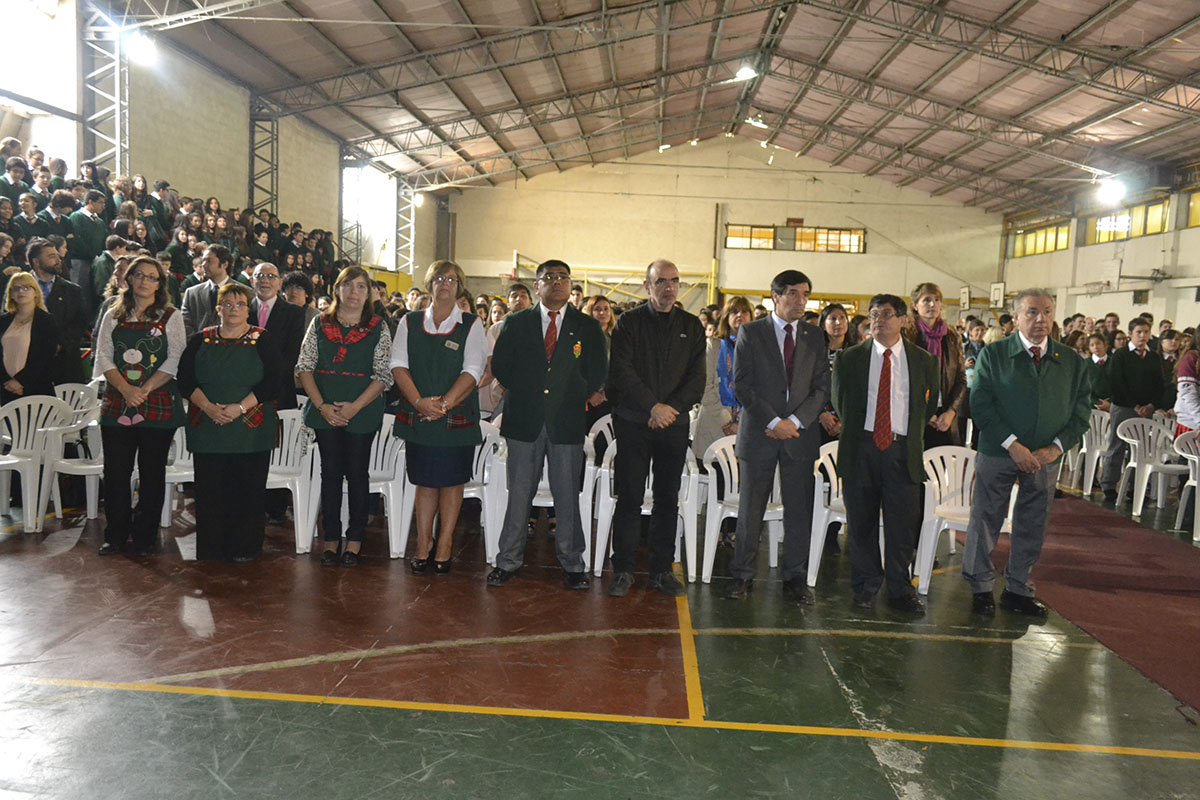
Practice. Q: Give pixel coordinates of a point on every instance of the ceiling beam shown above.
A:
(572, 35)
(773, 28)
(553, 58)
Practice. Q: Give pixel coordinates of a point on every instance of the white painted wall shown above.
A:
(309, 162)
(54, 81)
(625, 214)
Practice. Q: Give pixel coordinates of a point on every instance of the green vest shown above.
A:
(139, 349)
(226, 371)
(345, 368)
(435, 361)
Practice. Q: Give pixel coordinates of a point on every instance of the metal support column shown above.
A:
(406, 218)
(105, 92)
(264, 157)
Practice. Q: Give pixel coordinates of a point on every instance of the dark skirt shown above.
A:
(438, 467)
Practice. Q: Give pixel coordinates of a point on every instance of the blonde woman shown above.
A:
(28, 341)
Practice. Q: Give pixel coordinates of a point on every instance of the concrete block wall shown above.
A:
(308, 176)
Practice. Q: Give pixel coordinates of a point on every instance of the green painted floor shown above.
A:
(824, 702)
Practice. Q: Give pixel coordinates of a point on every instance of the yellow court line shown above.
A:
(691, 664)
(49, 514)
(575, 716)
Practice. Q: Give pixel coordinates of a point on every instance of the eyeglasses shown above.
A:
(449, 280)
(234, 306)
(266, 276)
(881, 316)
(144, 276)
(555, 279)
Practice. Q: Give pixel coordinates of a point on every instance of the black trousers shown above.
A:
(345, 455)
(640, 449)
(881, 480)
(122, 447)
(231, 491)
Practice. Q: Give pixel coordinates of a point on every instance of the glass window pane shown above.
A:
(737, 236)
(762, 238)
(1137, 221)
(1064, 237)
(785, 238)
(1155, 217)
(1193, 209)
(1039, 245)
(806, 239)
(1016, 245)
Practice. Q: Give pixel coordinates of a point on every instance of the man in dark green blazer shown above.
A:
(1031, 402)
(885, 391)
(550, 359)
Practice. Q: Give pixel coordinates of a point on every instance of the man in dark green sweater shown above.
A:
(1135, 374)
(1031, 402)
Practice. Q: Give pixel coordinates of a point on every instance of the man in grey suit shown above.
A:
(781, 379)
(200, 301)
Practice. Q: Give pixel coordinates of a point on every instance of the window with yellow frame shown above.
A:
(1142, 219)
(1035, 241)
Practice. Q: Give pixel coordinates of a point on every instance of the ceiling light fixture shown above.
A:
(418, 199)
(694, 142)
(140, 48)
(663, 147)
(1110, 191)
(757, 121)
(746, 73)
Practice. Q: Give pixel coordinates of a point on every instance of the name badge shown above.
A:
(451, 344)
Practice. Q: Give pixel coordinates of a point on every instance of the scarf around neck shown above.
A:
(933, 336)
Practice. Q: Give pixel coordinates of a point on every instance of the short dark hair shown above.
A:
(34, 249)
(1112, 314)
(93, 195)
(1005, 319)
(160, 184)
(114, 241)
(575, 287)
(1138, 322)
(899, 307)
(1100, 337)
(299, 279)
(789, 277)
(222, 253)
(14, 162)
(62, 199)
(554, 262)
(520, 287)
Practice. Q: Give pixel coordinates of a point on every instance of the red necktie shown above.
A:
(882, 434)
(789, 351)
(551, 336)
(1037, 354)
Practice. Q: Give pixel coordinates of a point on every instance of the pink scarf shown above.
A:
(933, 336)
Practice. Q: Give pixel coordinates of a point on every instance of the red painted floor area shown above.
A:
(67, 613)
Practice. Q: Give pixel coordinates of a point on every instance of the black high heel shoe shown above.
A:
(442, 567)
(331, 558)
(419, 566)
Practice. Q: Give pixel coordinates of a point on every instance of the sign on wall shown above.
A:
(996, 297)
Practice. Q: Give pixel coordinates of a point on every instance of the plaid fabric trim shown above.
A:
(253, 418)
(333, 332)
(406, 416)
(461, 417)
(157, 408)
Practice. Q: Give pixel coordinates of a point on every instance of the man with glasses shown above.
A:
(656, 375)
(781, 380)
(885, 391)
(200, 301)
(552, 358)
(1031, 402)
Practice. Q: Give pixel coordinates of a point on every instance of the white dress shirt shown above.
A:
(546, 321)
(899, 391)
(781, 327)
(1045, 349)
(474, 354)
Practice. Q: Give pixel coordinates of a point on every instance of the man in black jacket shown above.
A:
(64, 301)
(656, 375)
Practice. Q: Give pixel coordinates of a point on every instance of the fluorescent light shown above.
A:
(418, 199)
(771, 160)
(694, 142)
(663, 147)
(756, 121)
(1110, 191)
(763, 145)
(140, 48)
(745, 73)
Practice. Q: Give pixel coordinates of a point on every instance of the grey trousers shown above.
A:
(1117, 449)
(994, 479)
(796, 484)
(524, 471)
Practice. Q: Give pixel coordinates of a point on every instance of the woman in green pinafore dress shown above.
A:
(343, 367)
(223, 372)
(138, 345)
(438, 357)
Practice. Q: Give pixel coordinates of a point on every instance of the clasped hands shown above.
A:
(338, 414)
(784, 429)
(222, 413)
(431, 408)
(1032, 460)
(662, 416)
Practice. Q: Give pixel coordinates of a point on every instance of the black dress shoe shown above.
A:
(864, 600)
(576, 580)
(622, 582)
(442, 567)
(983, 604)
(499, 577)
(243, 559)
(419, 566)
(145, 550)
(109, 549)
(330, 558)
(1110, 495)
(739, 589)
(666, 583)
(1020, 604)
(796, 591)
(349, 559)
(906, 604)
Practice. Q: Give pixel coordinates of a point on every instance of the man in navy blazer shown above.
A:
(781, 380)
(550, 358)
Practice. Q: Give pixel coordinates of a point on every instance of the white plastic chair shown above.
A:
(23, 422)
(90, 465)
(1150, 442)
(291, 469)
(1095, 443)
(179, 470)
(689, 509)
(385, 474)
(1187, 446)
(720, 459)
(950, 473)
(828, 505)
(601, 433)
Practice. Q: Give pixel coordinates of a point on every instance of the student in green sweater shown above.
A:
(1097, 370)
(1138, 386)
